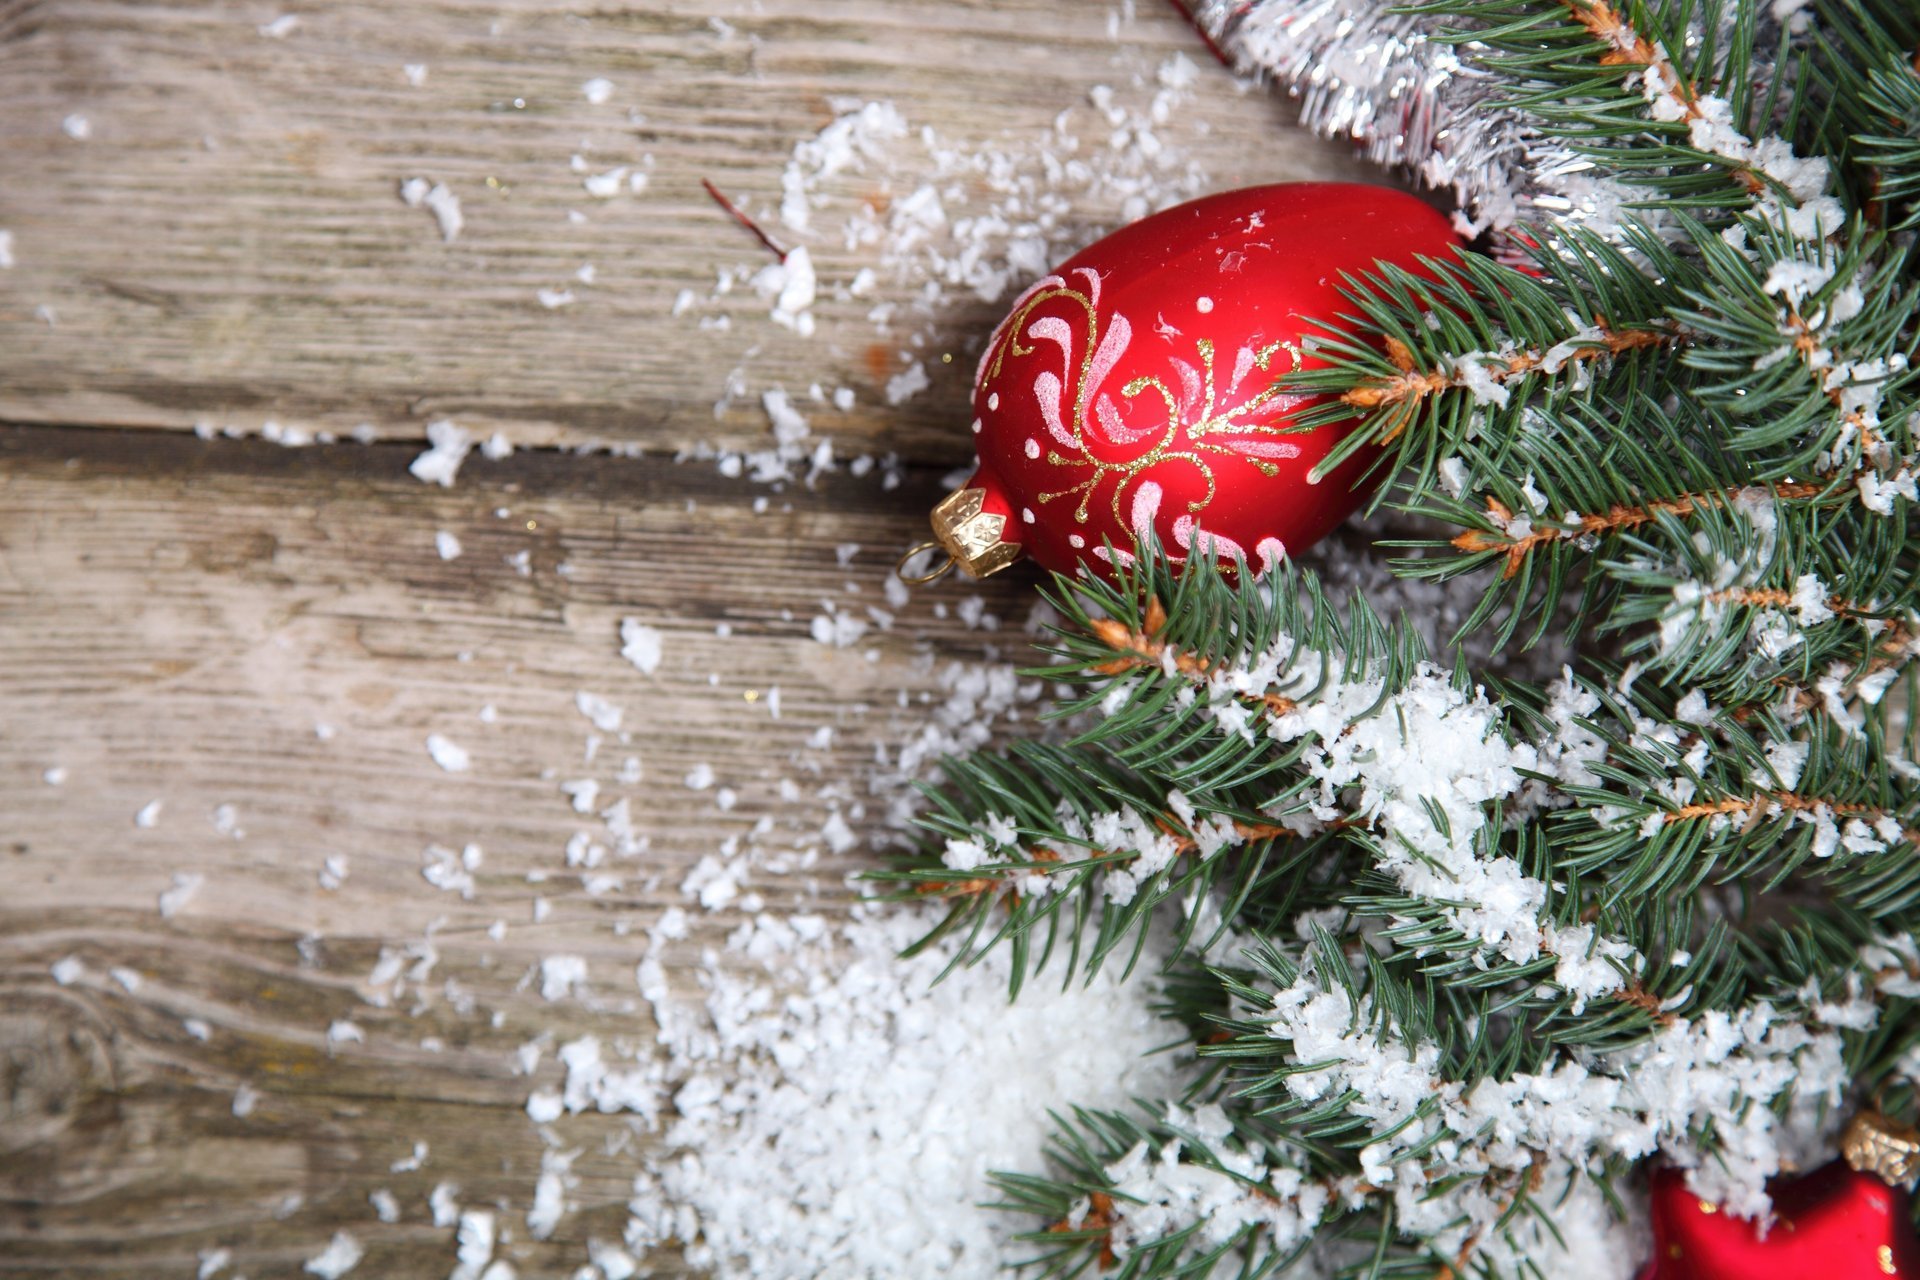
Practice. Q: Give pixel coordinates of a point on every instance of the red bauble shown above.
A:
(1835, 1223)
(1136, 387)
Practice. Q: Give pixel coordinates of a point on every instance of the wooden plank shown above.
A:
(176, 617)
(226, 246)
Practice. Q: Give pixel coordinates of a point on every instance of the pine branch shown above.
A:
(1668, 97)
(1498, 538)
(1476, 946)
(1751, 803)
(1677, 97)
(1462, 342)
(1866, 67)
(1403, 393)
(1462, 1144)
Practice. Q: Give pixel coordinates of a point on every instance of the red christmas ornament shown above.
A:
(1849, 1220)
(1136, 387)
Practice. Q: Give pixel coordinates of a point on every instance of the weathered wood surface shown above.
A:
(226, 246)
(178, 619)
(177, 616)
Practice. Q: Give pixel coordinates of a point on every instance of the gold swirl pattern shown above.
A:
(1203, 421)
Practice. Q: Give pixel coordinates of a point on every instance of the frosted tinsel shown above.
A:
(1380, 79)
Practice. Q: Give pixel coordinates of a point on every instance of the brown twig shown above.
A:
(1600, 18)
(1614, 519)
(1760, 803)
(1754, 597)
(741, 218)
(1780, 598)
(1143, 649)
(1536, 1175)
(1404, 392)
(1645, 1001)
(1101, 1218)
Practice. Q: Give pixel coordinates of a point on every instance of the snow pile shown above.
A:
(826, 1109)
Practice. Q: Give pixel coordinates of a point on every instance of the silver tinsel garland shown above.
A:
(1411, 102)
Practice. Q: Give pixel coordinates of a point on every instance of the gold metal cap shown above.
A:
(969, 535)
(1874, 1144)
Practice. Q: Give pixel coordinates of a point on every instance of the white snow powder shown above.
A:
(605, 714)
(839, 1134)
(444, 1204)
(640, 644)
(449, 446)
(342, 1254)
(559, 975)
(605, 186)
(174, 900)
(439, 201)
(448, 754)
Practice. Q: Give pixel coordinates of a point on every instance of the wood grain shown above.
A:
(179, 616)
(179, 619)
(227, 247)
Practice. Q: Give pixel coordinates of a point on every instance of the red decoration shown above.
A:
(1136, 386)
(1835, 1223)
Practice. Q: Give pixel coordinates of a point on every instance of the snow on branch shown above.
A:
(1516, 536)
(1486, 374)
(1452, 1154)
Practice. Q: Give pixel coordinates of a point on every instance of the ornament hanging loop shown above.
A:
(921, 579)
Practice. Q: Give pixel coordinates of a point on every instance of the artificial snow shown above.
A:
(605, 186)
(439, 201)
(448, 754)
(175, 899)
(791, 286)
(560, 975)
(449, 446)
(640, 644)
(604, 713)
(841, 1129)
(443, 1203)
(342, 1254)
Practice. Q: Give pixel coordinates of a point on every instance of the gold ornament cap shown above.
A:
(1874, 1144)
(973, 537)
